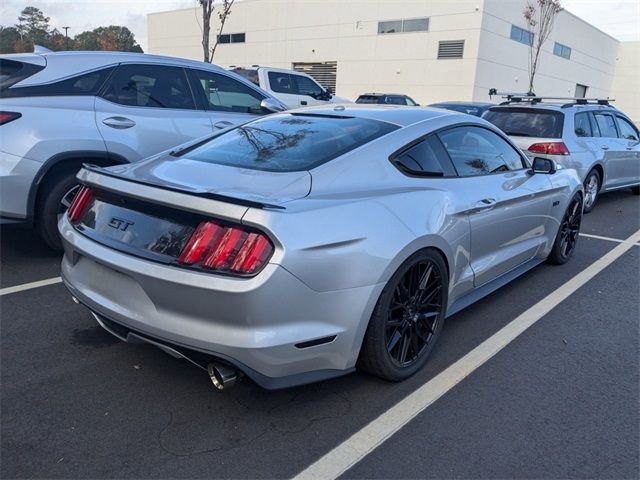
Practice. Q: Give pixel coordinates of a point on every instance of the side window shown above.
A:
(582, 125)
(396, 100)
(225, 94)
(627, 130)
(427, 157)
(281, 83)
(84, 84)
(606, 124)
(153, 86)
(306, 86)
(479, 151)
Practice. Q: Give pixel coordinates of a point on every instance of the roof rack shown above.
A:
(530, 97)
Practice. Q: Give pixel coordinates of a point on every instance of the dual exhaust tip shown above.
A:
(222, 376)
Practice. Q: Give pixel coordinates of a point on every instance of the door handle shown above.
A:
(486, 204)
(605, 147)
(119, 123)
(223, 124)
(303, 102)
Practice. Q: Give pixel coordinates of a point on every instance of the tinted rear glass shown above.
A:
(288, 143)
(84, 84)
(251, 75)
(12, 71)
(527, 122)
(468, 109)
(368, 99)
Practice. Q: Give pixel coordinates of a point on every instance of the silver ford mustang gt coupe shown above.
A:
(302, 245)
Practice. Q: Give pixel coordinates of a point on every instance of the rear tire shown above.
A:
(592, 185)
(567, 236)
(407, 319)
(49, 208)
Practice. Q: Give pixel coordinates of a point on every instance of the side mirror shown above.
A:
(328, 93)
(543, 165)
(271, 105)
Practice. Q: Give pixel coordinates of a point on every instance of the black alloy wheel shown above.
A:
(407, 319)
(568, 232)
(414, 313)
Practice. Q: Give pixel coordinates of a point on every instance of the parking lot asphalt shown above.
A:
(560, 401)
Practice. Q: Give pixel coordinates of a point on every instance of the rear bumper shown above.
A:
(255, 324)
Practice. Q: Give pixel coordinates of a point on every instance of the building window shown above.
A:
(231, 38)
(581, 90)
(561, 50)
(521, 35)
(450, 49)
(406, 25)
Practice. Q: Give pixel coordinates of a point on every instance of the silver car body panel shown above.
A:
(335, 249)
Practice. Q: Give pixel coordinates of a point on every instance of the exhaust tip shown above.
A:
(222, 376)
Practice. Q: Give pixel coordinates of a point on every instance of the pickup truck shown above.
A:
(294, 89)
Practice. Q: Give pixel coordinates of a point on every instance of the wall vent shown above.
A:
(450, 49)
(323, 72)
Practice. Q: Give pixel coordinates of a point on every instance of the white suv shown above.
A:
(60, 110)
(592, 137)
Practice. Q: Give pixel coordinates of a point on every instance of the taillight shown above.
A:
(6, 117)
(79, 204)
(226, 249)
(549, 148)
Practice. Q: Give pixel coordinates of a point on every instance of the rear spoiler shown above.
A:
(208, 195)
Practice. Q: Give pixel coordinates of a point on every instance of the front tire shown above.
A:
(567, 236)
(54, 199)
(407, 319)
(591, 190)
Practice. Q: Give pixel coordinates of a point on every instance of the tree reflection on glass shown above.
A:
(268, 142)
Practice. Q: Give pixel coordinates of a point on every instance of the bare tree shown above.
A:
(540, 20)
(207, 10)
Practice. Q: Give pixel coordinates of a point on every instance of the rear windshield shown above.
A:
(468, 109)
(527, 122)
(367, 99)
(290, 142)
(251, 75)
(12, 71)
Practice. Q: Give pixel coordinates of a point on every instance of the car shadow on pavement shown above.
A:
(24, 257)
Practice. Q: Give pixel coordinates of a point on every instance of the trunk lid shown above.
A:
(193, 176)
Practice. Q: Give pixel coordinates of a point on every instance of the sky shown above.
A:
(618, 18)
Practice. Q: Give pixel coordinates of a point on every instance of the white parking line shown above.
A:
(363, 442)
(609, 239)
(29, 286)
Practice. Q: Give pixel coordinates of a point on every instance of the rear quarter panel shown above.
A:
(49, 126)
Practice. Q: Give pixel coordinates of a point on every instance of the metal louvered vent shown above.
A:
(323, 72)
(451, 49)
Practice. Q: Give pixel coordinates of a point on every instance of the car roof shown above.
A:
(560, 107)
(473, 104)
(383, 94)
(61, 65)
(400, 115)
(107, 56)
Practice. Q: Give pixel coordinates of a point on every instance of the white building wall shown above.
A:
(282, 32)
(626, 81)
(503, 63)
